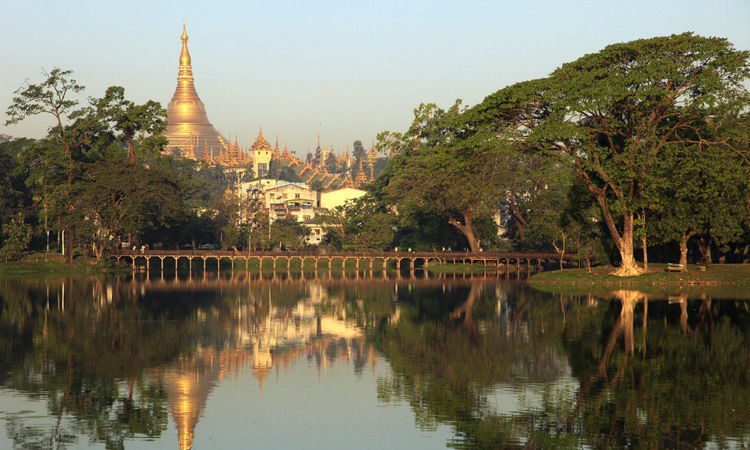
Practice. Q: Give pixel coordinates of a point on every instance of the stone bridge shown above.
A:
(526, 261)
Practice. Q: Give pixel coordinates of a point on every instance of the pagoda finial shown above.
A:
(186, 71)
(318, 140)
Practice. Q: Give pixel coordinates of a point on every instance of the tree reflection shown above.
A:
(87, 359)
(662, 381)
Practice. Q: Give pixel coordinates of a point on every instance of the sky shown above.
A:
(344, 70)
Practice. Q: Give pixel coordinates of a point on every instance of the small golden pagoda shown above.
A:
(286, 154)
(234, 157)
(189, 133)
(362, 178)
(276, 153)
(371, 157)
(261, 143)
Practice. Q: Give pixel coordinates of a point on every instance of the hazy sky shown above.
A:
(346, 70)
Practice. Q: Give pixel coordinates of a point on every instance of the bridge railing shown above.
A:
(338, 254)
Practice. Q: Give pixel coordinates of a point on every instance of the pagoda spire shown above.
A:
(185, 73)
(186, 113)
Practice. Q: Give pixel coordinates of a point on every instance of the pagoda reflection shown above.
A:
(263, 330)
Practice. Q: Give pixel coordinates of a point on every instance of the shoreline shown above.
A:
(718, 280)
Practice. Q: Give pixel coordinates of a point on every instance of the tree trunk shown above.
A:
(624, 241)
(467, 229)
(521, 223)
(704, 247)
(628, 266)
(69, 246)
(561, 248)
(131, 149)
(684, 251)
(644, 244)
(98, 251)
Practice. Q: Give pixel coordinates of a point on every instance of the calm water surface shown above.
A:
(295, 362)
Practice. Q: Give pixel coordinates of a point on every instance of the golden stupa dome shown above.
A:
(188, 128)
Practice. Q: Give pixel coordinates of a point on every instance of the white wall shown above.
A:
(339, 197)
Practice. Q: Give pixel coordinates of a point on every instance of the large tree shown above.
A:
(444, 165)
(129, 120)
(701, 192)
(121, 199)
(55, 96)
(611, 116)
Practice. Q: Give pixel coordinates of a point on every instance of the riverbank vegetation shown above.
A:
(639, 150)
(643, 144)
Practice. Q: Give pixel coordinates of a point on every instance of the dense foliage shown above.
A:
(99, 179)
(643, 143)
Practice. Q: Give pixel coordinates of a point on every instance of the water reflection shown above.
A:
(499, 363)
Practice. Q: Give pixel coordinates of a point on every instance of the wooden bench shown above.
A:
(675, 267)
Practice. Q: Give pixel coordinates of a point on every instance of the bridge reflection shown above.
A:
(212, 279)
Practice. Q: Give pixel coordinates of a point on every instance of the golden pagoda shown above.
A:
(188, 130)
(276, 153)
(286, 155)
(234, 157)
(371, 156)
(361, 179)
(261, 143)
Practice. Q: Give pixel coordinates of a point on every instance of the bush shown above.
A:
(16, 238)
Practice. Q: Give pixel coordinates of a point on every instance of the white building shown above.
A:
(339, 197)
(288, 199)
(255, 188)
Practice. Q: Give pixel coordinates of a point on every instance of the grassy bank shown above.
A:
(728, 280)
(51, 268)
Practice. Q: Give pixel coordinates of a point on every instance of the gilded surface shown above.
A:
(188, 129)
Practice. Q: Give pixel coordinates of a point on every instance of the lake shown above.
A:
(367, 361)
